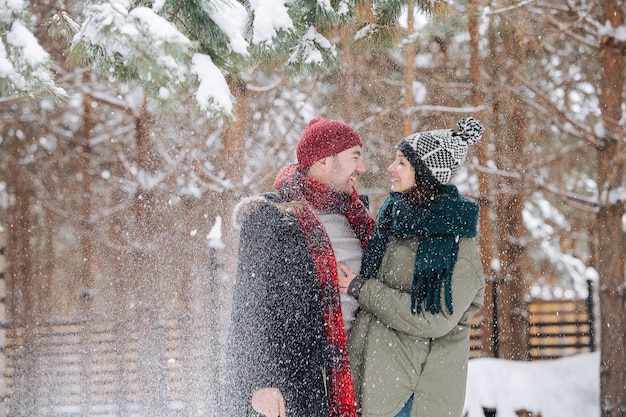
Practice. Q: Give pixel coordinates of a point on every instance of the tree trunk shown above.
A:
(234, 162)
(409, 74)
(484, 199)
(609, 221)
(86, 292)
(346, 109)
(19, 281)
(87, 244)
(3, 321)
(225, 260)
(152, 388)
(510, 289)
(509, 137)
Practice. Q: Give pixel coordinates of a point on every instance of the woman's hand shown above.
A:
(345, 277)
(269, 402)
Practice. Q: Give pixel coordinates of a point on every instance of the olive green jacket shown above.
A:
(394, 353)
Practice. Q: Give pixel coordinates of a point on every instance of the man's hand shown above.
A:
(345, 277)
(269, 402)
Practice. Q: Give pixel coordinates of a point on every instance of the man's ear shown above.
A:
(319, 169)
(320, 165)
(322, 162)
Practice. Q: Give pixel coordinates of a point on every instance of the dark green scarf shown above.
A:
(439, 225)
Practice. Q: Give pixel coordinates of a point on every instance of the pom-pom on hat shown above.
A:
(441, 151)
(323, 138)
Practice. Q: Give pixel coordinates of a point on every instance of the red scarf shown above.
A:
(315, 195)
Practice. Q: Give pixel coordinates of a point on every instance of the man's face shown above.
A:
(345, 169)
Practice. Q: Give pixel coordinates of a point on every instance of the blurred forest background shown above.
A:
(116, 199)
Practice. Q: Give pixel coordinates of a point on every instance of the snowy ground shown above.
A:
(565, 387)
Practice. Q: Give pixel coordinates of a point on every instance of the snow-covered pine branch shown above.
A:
(24, 64)
(172, 45)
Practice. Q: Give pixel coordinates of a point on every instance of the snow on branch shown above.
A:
(268, 20)
(213, 92)
(618, 33)
(313, 50)
(132, 45)
(24, 64)
(231, 17)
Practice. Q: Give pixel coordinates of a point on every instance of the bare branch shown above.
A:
(509, 8)
(9, 100)
(262, 89)
(218, 184)
(574, 200)
(565, 27)
(587, 133)
(113, 102)
(445, 109)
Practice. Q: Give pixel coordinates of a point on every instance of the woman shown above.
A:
(409, 345)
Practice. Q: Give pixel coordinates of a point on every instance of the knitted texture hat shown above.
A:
(323, 138)
(441, 151)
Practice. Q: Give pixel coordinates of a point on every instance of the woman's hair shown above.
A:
(424, 191)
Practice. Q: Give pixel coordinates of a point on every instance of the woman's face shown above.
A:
(402, 174)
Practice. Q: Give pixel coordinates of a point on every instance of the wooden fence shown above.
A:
(555, 328)
(68, 369)
(71, 369)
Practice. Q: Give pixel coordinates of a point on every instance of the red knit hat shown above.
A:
(322, 138)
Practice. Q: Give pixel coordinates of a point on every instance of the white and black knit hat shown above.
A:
(441, 151)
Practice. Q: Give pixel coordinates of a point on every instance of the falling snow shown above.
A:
(566, 387)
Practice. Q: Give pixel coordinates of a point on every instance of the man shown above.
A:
(287, 349)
